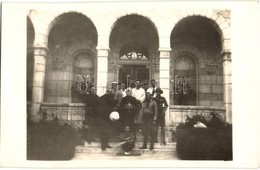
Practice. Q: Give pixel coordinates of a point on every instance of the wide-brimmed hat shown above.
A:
(159, 90)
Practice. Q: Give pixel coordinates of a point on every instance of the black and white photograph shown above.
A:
(127, 81)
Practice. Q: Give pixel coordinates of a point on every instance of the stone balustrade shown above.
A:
(73, 113)
(178, 114)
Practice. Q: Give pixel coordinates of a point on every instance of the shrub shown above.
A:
(212, 143)
(51, 141)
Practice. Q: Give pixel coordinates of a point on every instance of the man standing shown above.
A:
(139, 94)
(153, 87)
(149, 119)
(91, 115)
(129, 105)
(105, 108)
(162, 106)
(118, 95)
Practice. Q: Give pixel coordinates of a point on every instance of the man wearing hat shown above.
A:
(162, 106)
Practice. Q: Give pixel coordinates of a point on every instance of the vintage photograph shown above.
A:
(128, 83)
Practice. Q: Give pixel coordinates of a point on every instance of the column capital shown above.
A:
(165, 53)
(102, 51)
(164, 49)
(40, 51)
(102, 48)
(226, 56)
(40, 40)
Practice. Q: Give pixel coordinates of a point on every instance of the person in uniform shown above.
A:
(149, 119)
(162, 106)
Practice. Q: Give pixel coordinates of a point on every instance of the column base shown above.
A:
(35, 118)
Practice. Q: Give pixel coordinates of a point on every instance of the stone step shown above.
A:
(95, 148)
(83, 156)
(93, 151)
(111, 151)
(137, 145)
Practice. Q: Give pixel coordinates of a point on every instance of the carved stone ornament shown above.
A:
(226, 56)
(38, 51)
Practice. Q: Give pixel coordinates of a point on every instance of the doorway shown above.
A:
(128, 73)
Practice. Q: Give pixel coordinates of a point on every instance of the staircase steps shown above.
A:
(93, 151)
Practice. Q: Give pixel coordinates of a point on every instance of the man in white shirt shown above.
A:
(139, 93)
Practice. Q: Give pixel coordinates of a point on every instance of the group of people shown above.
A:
(140, 110)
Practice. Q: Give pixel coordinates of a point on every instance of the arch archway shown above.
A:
(185, 79)
(83, 74)
(70, 33)
(137, 35)
(201, 37)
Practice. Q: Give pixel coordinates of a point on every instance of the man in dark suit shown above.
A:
(105, 108)
(129, 107)
(91, 115)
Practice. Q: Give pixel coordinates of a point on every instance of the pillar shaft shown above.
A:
(227, 76)
(102, 67)
(165, 79)
(38, 82)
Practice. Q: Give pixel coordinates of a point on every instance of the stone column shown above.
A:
(102, 69)
(227, 82)
(165, 78)
(38, 82)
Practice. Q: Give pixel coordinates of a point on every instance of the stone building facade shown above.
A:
(187, 51)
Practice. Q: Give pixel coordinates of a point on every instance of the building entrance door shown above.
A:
(128, 73)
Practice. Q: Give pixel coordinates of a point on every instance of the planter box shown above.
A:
(51, 141)
(204, 144)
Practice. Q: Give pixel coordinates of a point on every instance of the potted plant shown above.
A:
(204, 139)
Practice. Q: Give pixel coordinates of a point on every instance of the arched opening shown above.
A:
(83, 75)
(207, 85)
(134, 44)
(185, 80)
(30, 59)
(71, 33)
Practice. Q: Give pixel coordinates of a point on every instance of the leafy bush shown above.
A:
(191, 121)
(216, 121)
(211, 143)
(51, 141)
